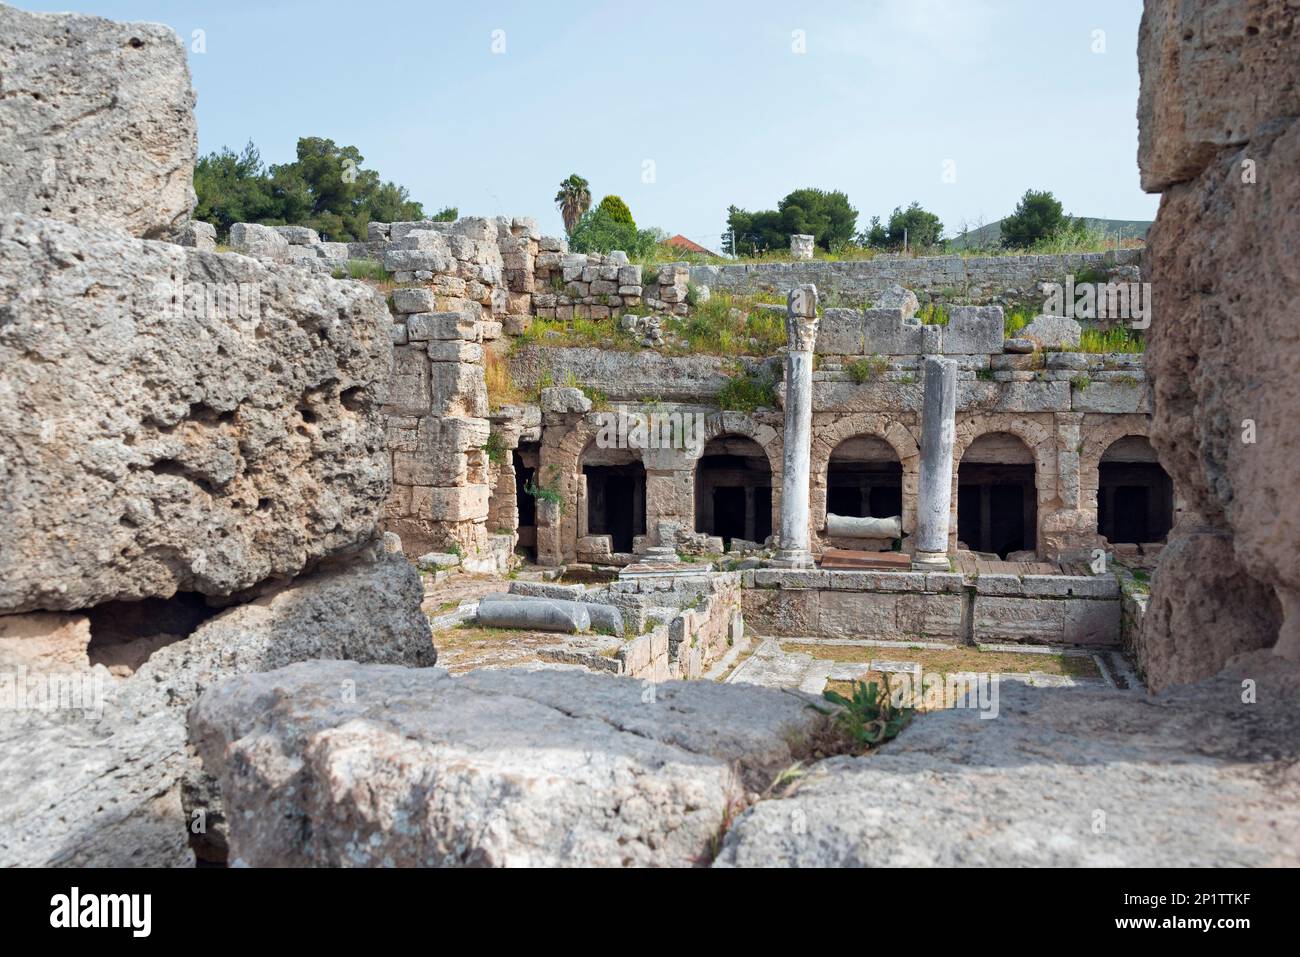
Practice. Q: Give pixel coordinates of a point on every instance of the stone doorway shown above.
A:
(525, 460)
(864, 479)
(997, 498)
(615, 493)
(1135, 496)
(733, 490)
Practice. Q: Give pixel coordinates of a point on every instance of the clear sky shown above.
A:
(961, 105)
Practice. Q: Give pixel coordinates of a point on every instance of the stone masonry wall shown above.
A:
(855, 282)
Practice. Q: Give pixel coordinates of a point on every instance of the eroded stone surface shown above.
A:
(96, 122)
(148, 447)
(495, 768)
(1218, 107)
(101, 786)
(1062, 777)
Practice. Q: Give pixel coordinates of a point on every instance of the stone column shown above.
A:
(801, 330)
(934, 492)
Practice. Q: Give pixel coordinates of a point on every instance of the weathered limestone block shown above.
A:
(973, 330)
(841, 333)
(105, 790)
(1053, 332)
(1219, 136)
(96, 122)
(1192, 778)
(1116, 397)
(302, 236)
(153, 443)
(198, 235)
(784, 612)
(801, 246)
(636, 783)
(1213, 72)
(365, 611)
(1035, 620)
(896, 297)
(414, 299)
(264, 242)
(1092, 622)
(466, 503)
(1204, 609)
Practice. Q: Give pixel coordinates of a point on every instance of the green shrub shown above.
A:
(747, 392)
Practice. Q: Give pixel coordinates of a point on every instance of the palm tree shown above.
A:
(573, 199)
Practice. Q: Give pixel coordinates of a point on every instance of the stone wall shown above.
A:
(1219, 137)
(934, 606)
(854, 282)
(1066, 408)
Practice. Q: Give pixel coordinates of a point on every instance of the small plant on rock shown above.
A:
(870, 716)
(863, 371)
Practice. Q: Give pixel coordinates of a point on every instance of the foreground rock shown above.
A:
(1219, 136)
(494, 768)
(100, 785)
(174, 420)
(96, 122)
(1062, 777)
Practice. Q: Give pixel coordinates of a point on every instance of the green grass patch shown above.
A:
(1118, 339)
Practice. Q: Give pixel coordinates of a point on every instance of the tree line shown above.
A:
(326, 188)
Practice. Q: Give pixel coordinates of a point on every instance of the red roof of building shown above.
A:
(681, 242)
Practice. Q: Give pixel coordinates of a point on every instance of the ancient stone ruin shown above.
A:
(247, 504)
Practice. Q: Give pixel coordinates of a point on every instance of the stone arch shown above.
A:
(1142, 477)
(743, 425)
(1100, 433)
(1037, 437)
(827, 437)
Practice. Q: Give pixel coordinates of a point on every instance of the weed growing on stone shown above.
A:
(933, 314)
(747, 392)
(868, 717)
(1118, 339)
(864, 370)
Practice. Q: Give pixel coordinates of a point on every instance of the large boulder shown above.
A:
(96, 122)
(1220, 94)
(1213, 72)
(542, 768)
(1199, 777)
(174, 420)
(99, 784)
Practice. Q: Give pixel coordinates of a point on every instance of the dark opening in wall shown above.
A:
(525, 459)
(733, 490)
(997, 501)
(1135, 497)
(616, 502)
(123, 634)
(864, 479)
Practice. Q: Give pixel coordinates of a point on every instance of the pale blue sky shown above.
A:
(1009, 91)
